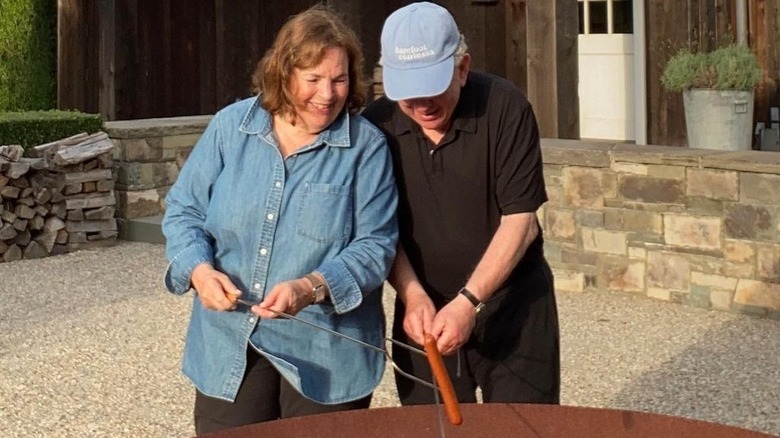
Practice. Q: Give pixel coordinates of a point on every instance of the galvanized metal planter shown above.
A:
(719, 119)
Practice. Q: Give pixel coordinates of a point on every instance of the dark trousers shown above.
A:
(513, 354)
(263, 396)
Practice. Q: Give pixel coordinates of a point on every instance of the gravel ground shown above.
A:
(91, 347)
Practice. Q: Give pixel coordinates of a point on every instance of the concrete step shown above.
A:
(146, 229)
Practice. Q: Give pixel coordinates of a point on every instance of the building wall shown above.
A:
(689, 226)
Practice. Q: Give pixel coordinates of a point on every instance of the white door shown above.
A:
(606, 70)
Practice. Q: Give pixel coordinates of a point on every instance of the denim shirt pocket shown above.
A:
(325, 213)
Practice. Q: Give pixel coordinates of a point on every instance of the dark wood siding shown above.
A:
(77, 55)
(552, 66)
(162, 58)
(765, 39)
(132, 59)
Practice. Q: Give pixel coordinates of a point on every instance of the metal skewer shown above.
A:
(453, 411)
(431, 353)
(384, 351)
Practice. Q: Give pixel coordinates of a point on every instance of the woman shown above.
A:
(288, 201)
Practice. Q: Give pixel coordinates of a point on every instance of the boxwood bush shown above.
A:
(31, 128)
(28, 54)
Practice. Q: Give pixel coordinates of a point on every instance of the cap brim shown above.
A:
(418, 82)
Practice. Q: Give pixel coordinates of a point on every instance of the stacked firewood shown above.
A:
(59, 199)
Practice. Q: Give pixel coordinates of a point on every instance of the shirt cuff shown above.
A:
(179, 272)
(344, 291)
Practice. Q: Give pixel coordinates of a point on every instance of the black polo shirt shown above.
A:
(452, 196)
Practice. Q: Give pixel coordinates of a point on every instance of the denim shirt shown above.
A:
(262, 219)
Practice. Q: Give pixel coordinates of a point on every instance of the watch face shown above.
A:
(479, 307)
(319, 291)
(319, 295)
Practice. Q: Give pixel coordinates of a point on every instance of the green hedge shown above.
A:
(31, 128)
(27, 55)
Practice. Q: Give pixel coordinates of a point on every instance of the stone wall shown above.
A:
(689, 226)
(684, 225)
(147, 157)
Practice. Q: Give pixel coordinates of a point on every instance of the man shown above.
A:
(470, 269)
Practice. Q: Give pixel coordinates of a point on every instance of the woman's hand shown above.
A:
(288, 297)
(214, 289)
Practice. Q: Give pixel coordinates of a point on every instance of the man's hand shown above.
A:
(419, 315)
(453, 324)
(215, 290)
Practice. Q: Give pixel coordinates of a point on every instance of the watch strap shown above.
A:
(319, 290)
(478, 305)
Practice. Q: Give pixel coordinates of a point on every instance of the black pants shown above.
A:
(513, 354)
(263, 396)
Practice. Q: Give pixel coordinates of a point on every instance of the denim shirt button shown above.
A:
(278, 184)
(252, 320)
(263, 251)
(257, 286)
(270, 217)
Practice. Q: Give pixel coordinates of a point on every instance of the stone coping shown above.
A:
(555, 151)
(601, 154)
(161, 127)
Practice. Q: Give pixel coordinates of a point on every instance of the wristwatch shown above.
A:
(319, 291)
(478, 305)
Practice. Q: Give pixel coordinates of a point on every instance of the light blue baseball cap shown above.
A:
(418, 51)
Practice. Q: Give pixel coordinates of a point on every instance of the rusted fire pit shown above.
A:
(490, 420)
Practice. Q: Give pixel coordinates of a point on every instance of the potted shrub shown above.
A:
(717, 89)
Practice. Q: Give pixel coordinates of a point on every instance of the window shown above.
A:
(605, 16)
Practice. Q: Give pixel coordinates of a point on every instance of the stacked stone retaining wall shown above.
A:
(689, 226)
(148, 155)
(676, 224)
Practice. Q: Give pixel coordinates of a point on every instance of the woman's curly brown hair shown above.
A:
(301, 43)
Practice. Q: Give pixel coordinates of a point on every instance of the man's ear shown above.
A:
(463, 69)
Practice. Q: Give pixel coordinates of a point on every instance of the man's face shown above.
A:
(434, 114)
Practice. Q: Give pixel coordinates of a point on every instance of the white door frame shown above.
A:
(640, 73)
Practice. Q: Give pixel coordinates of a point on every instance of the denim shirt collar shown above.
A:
(259, 122)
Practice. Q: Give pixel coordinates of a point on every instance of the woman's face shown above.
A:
(320, 92)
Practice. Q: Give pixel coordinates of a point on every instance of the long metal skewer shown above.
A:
(384, 351)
